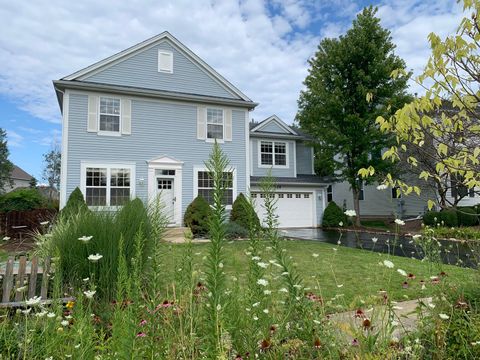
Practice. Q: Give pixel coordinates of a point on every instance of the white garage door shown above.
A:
(294, 209)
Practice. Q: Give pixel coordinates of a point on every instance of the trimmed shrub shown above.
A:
(236, 231)
(444, 218)
(333, 215)
(243, 213)
(467, 216)
(75, 203)
(21, 200)
(196, 216)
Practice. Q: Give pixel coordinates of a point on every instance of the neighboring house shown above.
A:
(143, 122)
(376, 203)
(300, 195)
(20, 179)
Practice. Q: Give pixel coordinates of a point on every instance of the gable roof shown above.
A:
(125, 54)
(20, 174)
(278, 121)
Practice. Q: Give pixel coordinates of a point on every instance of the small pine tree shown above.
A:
(333, 215)
(243, 213)
(75, 203)
(196, 216)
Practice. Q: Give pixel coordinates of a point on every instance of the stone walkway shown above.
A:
(405, 315)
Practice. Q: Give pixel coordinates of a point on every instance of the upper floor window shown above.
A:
(361, 191)
(109, 115)
(273, 153)
(396, 194)
(215, 124)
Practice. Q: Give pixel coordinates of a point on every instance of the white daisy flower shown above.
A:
(85, 238)
(95, 258)
(315, 255)
(64, 323)
(33, 301)
(350, 213)
(374, 240)
(402, 272)
(388, 264)
(89, 293)
(399, 222)
(444, 316)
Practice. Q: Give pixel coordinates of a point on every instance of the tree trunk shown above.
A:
(356, 205)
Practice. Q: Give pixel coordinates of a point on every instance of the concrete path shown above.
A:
(404, 318)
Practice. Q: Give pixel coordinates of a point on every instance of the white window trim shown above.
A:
(273, 166)
(198, 168)
(210, 140)
(108, 166)
(165, 52)
(109, 133)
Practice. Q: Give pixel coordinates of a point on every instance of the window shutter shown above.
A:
(228, 125)
(126, 109)
(165, 61)
(92, 125)
(201, 122)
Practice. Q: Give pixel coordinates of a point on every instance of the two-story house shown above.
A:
(301, 195)
(143, 122)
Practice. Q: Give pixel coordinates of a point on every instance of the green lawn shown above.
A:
(348, 274)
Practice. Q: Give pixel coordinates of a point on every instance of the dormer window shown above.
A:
(165, 61)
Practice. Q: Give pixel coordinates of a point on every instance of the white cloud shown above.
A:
(14, 139)
(263, 53)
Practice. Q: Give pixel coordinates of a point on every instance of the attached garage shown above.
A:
(294, 209)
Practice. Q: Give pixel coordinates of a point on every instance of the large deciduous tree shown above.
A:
(348, 86)
(441, 129)
(6, 166)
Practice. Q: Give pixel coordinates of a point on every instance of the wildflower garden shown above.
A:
(262, 297)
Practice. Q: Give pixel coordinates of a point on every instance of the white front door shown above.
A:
(166, 191)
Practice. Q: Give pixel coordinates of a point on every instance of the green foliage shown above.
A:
(443, 218)
(243, 213)
(347, 88)
(333, 215)
(52, 162)
(236, 231)
(21, 200)
(197, 215)
(106, 230)
(460, 233)
(6, 166)
(467, 216)
(446, 116)
(75, 203)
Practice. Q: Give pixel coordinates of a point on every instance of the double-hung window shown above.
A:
(329, 193)
(205, 187)
(273, 153)
(107, 185)
(215, 124)
(109, 115)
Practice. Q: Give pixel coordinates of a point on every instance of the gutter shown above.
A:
(159, 94)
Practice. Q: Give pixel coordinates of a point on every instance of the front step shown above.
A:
(176, 234)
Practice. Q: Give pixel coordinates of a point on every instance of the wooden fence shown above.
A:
(16, 224)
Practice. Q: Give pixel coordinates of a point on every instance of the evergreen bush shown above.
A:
(75, 203)
(243, 213)
(333, 215)
(236, 231)
(444, 218)
(197, 215)
(467, 216)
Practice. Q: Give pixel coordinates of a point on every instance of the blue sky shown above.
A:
(260, 46)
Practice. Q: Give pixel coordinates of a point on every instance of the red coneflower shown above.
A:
(461, 304)
(238, 357)
(366, 323)
(355, 342)
(265, 344)
(359, 313)
(435, 280)
(405, 285)
(272, 329)
(443, 273)
(410, 276)
(141, 334)
(143, 323)
(316, 343)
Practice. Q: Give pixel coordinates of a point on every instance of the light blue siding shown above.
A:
(257, 171)
(273, 127)
(141, 70)
(304, 158)
(158, 128)
(379, 203)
